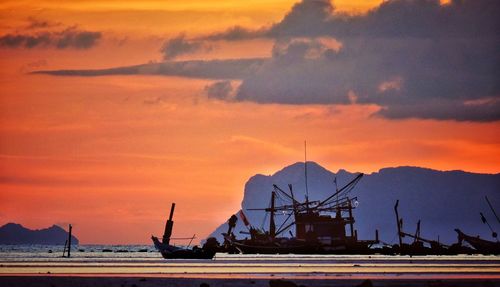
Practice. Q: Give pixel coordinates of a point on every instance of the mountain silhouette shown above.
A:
(12, 233)
(442, 200)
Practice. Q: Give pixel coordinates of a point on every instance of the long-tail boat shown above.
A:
(168, 251)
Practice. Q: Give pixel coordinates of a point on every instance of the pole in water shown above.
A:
(69, 241)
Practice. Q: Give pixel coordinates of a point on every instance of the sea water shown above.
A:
(55, 252)
(144, 260)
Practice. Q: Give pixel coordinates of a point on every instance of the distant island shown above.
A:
(13, 233)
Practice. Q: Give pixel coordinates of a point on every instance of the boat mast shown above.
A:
(305, 173)
(294, 202)
(351, 219)
(168, 226)
(416, 238)
(399, 223)
(272, 224)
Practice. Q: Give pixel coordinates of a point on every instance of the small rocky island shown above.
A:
(13, 233)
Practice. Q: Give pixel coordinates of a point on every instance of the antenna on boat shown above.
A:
(305, 173)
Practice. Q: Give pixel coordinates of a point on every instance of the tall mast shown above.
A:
(272, 225)
(294, 203)
(168, 226)
(305, 173)
(399, 224)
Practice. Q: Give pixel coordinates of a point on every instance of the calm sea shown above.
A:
(144, 260)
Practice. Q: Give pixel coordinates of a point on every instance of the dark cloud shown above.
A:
(307, 18)
(393, 18)
(421, 78)
(222, 90)
(77, 39)
(71, 37)
(413, 58)
(236, 33)
(180, 45)
(482, 110)
(215, 69)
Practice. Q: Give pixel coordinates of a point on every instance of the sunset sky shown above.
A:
(227, 89)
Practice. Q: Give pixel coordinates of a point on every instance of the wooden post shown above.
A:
(69, 241)
(399, 223)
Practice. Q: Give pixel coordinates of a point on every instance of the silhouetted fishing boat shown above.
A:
(316, 230)
(169, 251)
(321, 227)
(481, 245)
(423, 246)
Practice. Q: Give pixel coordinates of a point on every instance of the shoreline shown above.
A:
(269, 276)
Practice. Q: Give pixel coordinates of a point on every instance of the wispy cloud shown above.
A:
(36, 23)
(180, 45)
(71, 37)
(214, 69)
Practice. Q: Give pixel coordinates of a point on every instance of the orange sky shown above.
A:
(109, 154)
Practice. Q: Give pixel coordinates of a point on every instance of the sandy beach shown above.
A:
(146, 281)
(135, 269)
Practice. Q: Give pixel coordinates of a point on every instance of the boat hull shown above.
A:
(173, 252)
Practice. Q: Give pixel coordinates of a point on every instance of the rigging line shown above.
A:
(343, 200)
(491, 207)
(347, 190)
(286, 227)
(279, 229)
(283, 192)
(280, 197)
(191, 241)
(351, 183)
(489, 226)
(181, 238)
